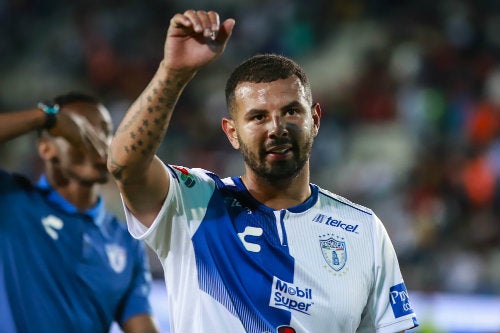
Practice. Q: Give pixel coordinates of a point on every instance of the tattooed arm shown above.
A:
(194, 39)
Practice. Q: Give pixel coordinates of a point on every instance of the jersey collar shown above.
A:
(96, 213)
(311, 201)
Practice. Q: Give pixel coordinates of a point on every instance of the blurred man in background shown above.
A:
(66, 263)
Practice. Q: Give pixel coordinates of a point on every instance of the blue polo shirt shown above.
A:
(62, 270)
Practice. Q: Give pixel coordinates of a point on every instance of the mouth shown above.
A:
(279, 150)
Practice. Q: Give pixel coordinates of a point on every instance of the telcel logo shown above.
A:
(288, 296)
(328, 220)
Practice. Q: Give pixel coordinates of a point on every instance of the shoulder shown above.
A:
(189, 176)
(9, 181)
(197, 181)
(340, 201)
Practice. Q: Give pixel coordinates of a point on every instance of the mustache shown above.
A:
(279, 142)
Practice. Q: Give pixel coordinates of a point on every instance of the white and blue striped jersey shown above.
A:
(234, 265)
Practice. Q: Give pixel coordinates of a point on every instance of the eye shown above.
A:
(257, 117)
(292, 111)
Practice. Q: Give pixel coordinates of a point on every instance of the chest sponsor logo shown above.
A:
(330, 221)
(117, 257)
(291, 297)
(52, 224)
(400, 302)
(334, 251)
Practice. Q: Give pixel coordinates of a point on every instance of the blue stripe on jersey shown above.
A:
(283, 229)
(234, 273)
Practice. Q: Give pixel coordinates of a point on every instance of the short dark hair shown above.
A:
(75, 96)
(68, 98)
(265, 68)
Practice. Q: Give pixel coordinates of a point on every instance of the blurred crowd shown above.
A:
(410, 92)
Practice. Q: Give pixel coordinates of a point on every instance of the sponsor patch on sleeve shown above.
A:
(400, 302)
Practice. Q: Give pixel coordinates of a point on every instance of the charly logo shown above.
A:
(186, 178)
(334, 251)
(52, 224)
(291, 297)
(117, 257)
(250, 231)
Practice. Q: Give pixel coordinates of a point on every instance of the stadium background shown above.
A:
(410, 92)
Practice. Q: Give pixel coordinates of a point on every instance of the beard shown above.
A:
(278, 170)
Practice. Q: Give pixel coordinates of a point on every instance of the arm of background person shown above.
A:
(194, 39)
(72, 127)
(140, 324)
(14, 124)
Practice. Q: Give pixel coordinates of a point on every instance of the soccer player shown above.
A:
(267, 251)
(67, 264)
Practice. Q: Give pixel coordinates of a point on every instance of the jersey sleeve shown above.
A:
(136, 300)
(389, 309)
(182, 211)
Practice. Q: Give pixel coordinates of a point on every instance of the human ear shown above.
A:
(46, 149)
(316, 115)
(230, 130)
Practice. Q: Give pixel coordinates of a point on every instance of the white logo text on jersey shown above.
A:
(52, 224)
(332, 222)
(250, 231)
(286, 295)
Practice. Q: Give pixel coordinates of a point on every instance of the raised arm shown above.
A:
(194, 39)
(14, 124)
(74, 128)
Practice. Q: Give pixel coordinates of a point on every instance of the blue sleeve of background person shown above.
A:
(7, 185)
(136, 300)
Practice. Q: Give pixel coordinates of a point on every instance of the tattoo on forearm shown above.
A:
(160, 102)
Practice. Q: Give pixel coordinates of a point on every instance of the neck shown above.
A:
(279, 194)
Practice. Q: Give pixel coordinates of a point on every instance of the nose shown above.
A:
(98, 148)
(278, 127)
(96, 154)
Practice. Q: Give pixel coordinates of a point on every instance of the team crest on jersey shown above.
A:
(334, 251)
(117, 257)
(186, 178)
